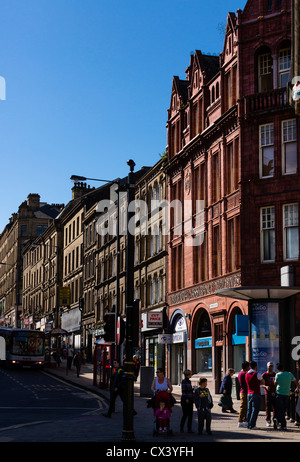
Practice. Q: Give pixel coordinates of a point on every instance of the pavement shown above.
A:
(224, 425)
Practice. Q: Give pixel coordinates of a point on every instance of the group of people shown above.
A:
(278, 387)
(277, 394)
(203, 401)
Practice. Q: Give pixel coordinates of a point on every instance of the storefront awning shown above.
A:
(259, 293)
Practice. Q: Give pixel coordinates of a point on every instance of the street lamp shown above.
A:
(128, 409)
(84, 178)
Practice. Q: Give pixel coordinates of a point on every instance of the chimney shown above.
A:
(33, 201)
(79, 189)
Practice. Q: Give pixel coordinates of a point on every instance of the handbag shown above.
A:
(172, 400)
(225, 401)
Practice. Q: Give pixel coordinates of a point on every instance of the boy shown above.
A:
(204, 403)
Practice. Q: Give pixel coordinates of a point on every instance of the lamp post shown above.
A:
(128, 409)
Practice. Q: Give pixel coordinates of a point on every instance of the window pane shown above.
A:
(269, 245)
(290, 157)
(266, 135)
(289, 130)
(268, 161)
(292, 243)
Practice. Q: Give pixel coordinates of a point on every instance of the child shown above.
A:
(162, 415)
(204, 403)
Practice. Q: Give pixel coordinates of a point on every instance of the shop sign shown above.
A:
(155, 319)
(179, 337)
(165, 338)
(204, 342)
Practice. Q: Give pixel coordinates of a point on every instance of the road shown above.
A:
(34, 406)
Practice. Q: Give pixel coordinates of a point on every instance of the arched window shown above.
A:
(217, 90)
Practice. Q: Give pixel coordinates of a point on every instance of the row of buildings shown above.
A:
(221, 284)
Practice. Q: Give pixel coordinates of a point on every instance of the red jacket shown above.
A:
(253, 383)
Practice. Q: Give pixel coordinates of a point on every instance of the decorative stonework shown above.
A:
(207, 288)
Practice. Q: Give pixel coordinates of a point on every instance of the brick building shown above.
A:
(31, 220)
(233, 166)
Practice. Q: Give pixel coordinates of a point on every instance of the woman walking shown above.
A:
(225, 389)
(187, 400)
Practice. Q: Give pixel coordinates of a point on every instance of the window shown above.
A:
(291, 232)
(216, 179)
(266, 142)
(23, 230)
(216, 255)
(231, 169)
(289, 146)
(268, 233)
(177, 270)
(284, 66)
(264, 72)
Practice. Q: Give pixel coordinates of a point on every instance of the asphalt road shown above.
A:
(31, 400)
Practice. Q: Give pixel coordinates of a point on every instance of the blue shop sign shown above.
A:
(241, 324)
(238, 339)
(203, 342)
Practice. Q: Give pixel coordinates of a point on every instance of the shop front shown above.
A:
(71, 322)
(178, 346)
(153, 350)
(271, 321)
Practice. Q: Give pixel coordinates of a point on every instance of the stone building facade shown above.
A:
(233, 160)
(31, 220)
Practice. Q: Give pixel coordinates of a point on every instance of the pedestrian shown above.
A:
(204, 404)
(136, 367)
(69, 357)
(162, 415)
(270, 388)
(78, 361)
(226, 389)
(243, 395)
(283, 380)
(187, 400)
(116, 387)
(253, 381)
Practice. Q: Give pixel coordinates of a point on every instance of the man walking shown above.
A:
(269, 378)
(283, 380)
(254, 381)
(116, 387)
(243, 394)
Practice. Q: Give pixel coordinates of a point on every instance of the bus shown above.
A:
(24, 347)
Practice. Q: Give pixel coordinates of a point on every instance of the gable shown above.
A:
(230, 41)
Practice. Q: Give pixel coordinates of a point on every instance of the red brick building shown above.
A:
(233, 168)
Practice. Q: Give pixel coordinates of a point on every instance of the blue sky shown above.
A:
(88, 85)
